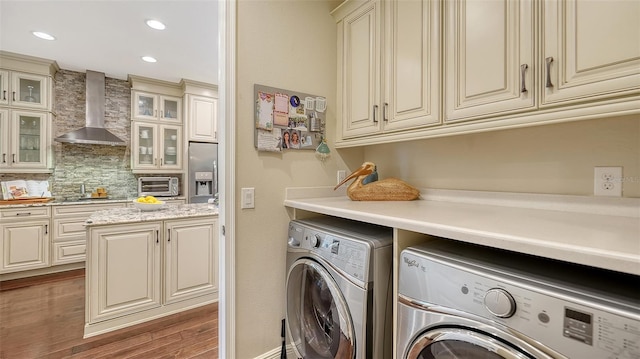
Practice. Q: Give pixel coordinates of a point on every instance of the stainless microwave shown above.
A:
(158, 186)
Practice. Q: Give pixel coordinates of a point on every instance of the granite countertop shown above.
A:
(133, 215)
(79, 201)
(601, 232)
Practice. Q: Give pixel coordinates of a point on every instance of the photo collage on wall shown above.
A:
(287, 120)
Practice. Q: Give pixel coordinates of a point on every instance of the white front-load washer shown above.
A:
(339, 289)
(457, 300)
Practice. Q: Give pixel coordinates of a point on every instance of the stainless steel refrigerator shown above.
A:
(203, 172)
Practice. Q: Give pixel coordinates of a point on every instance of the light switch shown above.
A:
(247, 198)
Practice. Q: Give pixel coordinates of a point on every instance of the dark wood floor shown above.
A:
(43, 317)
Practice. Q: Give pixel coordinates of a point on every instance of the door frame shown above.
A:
(226, 125)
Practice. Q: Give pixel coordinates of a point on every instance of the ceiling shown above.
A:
(111, 36)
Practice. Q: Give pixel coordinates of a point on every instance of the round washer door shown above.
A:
(318, 318)
(453, 343)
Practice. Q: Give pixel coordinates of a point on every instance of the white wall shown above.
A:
(289, 44)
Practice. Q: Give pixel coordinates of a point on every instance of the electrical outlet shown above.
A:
(341, 175)
(607, 181)
(247, 198)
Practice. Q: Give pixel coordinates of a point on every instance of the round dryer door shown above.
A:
(454, 343)
(317, 315)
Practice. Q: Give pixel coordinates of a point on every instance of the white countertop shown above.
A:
(595, 231)
(134, 215)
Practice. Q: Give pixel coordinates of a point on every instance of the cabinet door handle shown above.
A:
(46, 229)
(4, 94)
(523, 85)
(23, 214)
(14, 96)
(162, 114)
(375, 109)
(384, 112)
(157, 236)
(548, 60)
(168, 235)
(4, 158)
(14, 158)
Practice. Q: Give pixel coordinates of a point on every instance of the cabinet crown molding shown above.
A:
(25, 63)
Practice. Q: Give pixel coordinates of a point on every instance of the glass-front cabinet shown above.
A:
(4, 87)
(23, 140)
(24, 90)
(156, 147)
(153, 107)
(4, 138)
(171, 146)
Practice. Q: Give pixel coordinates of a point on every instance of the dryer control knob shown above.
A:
(500, 303)
(315, 241)
(293, 242)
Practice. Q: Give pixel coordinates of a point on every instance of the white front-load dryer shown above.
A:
(457, 300)
(339, 289)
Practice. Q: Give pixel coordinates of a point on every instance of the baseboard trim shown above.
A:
(275, 353)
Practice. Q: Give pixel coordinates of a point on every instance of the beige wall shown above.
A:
(291, 44)
(287, 44)
(555, 159)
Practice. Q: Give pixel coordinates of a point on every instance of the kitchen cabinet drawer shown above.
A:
(69, 252)
(69, 229)
(12, 214)
(83, 210)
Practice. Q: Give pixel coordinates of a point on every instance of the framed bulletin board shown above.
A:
(288, 120)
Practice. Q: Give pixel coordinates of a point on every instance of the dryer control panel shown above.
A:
(349, 256)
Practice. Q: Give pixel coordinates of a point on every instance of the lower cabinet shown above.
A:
(190, 259)
(24, 239)
(69, 243)
(123, 270)
(142, 271)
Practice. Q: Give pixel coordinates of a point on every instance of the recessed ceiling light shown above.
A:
(43, 35)
(149, 59)
(155, 24)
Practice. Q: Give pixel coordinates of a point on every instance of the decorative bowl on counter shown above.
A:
(149, 206)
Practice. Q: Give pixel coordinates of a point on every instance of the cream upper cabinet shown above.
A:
(24, 90)
(389, 66)
(156, 147)
(156, 126)
(201, 116)
(489, 58)
(4, 87)
(411, 64)
(5, 155)
(26, 113)
(150, 107)
(591, 50)
(191, 259)
(201, 111)
(360, 71)
(126, 275)
(25, 141)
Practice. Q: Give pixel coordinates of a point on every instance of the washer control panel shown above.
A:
(576, 325)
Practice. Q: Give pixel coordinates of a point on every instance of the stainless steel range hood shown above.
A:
(94, 132)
